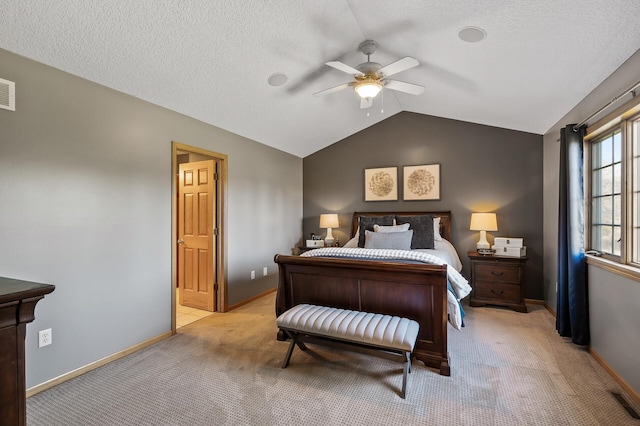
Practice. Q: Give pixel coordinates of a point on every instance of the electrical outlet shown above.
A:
(264, 271)
(253, 275)
(44, 337)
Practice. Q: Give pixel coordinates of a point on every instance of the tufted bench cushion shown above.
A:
(385, 332)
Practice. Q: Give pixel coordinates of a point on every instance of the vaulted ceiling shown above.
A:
(211, 60)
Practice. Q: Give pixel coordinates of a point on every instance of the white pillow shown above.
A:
(394, 228)
(352, 243)
(388, 240)
(436, 229)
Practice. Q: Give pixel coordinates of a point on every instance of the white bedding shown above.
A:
(445, 250)
(444, 253)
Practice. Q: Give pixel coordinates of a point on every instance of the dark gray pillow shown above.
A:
(388, 240)
(366, 224)
(422, 230)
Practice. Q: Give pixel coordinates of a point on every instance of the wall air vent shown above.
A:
(7, 95)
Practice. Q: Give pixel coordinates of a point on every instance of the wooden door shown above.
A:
(196, 234)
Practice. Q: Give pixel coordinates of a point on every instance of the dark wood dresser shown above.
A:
(17, 304)
(497, 280)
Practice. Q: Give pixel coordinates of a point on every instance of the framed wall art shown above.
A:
(381, 184)
(421, 182)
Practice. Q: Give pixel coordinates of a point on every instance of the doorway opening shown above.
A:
(199, 183)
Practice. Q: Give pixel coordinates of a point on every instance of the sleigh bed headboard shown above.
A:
(445, 220)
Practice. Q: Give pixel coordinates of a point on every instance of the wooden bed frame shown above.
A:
(409, 290)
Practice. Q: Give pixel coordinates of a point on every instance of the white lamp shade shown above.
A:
(483, 222)
(329, 220)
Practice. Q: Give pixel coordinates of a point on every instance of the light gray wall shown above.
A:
(613, 299)
(482, 168)
(85, 190)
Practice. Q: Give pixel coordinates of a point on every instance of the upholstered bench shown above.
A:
(381, 335)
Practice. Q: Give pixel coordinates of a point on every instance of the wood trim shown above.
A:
(99, 363)
(223, 161)
(251, 299)
(546, 305)
(635, 395)
(613, 119)
(625, 271)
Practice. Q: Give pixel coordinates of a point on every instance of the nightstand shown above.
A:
(497, 280)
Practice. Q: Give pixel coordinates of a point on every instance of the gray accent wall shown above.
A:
(613, 298)
(85, 190)
(482, 168)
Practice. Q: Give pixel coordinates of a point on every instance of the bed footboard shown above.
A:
(407, 290)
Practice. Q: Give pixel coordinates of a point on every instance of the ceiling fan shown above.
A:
(371, 77)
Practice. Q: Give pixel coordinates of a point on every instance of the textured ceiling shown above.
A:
(210, 60)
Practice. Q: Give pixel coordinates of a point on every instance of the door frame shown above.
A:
(221, 214)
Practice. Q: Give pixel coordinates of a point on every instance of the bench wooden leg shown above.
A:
(294, 341)
(287, 357)
(407, 369)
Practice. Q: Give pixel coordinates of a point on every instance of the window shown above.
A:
(635, 138)
(606, 194)
(612, 148)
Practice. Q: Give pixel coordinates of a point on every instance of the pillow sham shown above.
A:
(423, 232)
(392, 228)
(366, 224)
(388, 240)
(436, 229)
(352, 243)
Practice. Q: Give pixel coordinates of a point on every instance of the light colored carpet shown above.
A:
(507, 368)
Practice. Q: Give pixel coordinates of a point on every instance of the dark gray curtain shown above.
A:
(572, 315)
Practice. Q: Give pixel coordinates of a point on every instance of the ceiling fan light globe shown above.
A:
(368, 90)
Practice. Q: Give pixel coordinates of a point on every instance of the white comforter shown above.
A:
(443, 254)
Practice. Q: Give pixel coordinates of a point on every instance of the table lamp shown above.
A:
(329, 220)
(483, 222)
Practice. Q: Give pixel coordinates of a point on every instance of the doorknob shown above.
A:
(180, 241)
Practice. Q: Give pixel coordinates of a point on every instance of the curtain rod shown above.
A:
(613, 101)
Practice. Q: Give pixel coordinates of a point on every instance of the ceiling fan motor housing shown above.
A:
(368, 47)
(369, 68)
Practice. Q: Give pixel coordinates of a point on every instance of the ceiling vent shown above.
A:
(7, 95)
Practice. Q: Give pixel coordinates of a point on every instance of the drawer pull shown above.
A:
(497, 273)
(497, 294)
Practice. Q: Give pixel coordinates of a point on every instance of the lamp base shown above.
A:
(329, 240)
(482, 242)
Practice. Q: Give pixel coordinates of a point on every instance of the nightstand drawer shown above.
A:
(500, 291)
(497, 272)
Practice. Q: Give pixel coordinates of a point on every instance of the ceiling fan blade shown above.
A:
(401, 86)
(332, 89)
(399, 66)
(344, 68)
(366, 103)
